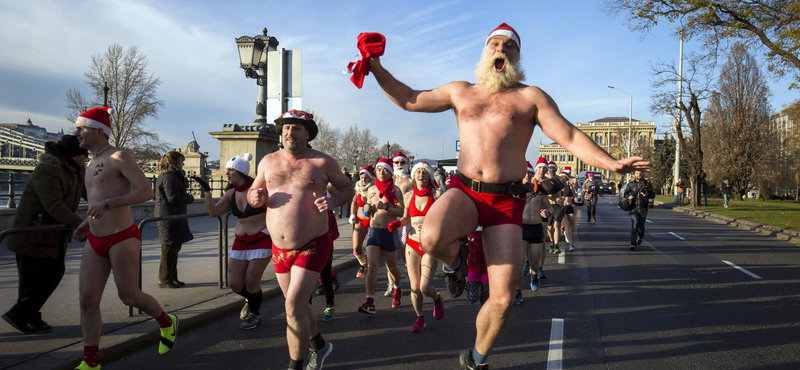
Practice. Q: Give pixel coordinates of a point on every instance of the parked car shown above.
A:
(579, 193)
(622, 191)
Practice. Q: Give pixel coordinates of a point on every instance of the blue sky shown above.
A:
(570, 49)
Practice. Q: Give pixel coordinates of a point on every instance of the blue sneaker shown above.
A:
(535, 283)
(518, 298)
(526, 269)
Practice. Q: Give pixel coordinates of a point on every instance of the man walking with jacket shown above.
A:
(639, 192)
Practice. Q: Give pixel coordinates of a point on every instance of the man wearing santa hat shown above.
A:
(537, 207)
(403, 180)
(292, 183)
(496, 118)
(113, 242)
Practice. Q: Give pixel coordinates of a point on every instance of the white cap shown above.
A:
(240, 163)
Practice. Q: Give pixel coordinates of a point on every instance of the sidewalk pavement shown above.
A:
(199, 302)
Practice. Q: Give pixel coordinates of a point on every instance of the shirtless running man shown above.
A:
(403, 180)
(536, 208)
(113, 241)
(496, 118)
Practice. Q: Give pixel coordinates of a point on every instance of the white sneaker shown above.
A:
(317, 358)
(389, 290)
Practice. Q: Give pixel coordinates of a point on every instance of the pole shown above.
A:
(676, 168)
(630, 135)
(388, 155)
(105, 94)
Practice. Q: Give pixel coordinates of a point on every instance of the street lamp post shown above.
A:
(630, 125)
(676, 168)
(105, 94)
(253, 60)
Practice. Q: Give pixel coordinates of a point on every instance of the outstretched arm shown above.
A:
(556, 127)
(436, 100)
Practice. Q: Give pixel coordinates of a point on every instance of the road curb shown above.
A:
(763, 229)
(141, 335)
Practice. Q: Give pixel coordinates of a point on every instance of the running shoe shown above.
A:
(361, 271)
(245, 310)
(541, 274)
(518, 298)
(438, 307)
(571, 248)
(557, 251)
(633, 247)
(396, 296)
(328, 313)
(467, 363)
(316, 358)
(535, 283)
(17, 323)
(473, 291)
(389, 290)
(456, 280)
(367, 308)
(168, 336)
(250, 322)
(526, 269)
(85, 366)
(419, 325)
(335, 283)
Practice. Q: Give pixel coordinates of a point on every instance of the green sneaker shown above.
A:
(329, 312)
(85, 366)
(168, 336)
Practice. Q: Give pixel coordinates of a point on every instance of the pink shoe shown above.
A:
(396, 297)
(438, 308)
(419, 325)
(367, 308)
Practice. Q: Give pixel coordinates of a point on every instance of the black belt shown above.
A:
(509, 188)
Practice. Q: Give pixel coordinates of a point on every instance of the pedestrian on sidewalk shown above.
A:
(680, 192)
(252, 245)
(639, 191)
(726, 191)
(703, 189)
(172, 198)
(51, 196)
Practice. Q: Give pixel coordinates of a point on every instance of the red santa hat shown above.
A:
(97, 118)
(564, 174)
(369, 170)
(386, 163)
(541, 163)
(505, 30)
(552, 164)
(568, 170)
(427, 168)
(530, 166)
(401, 156)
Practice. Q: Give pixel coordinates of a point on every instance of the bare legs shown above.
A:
(374, 253)
(301, 321)
(420, 276)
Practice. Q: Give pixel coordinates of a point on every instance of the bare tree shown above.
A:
(328, 139)
(696, 88)
(742, 145)
(132, 93)
(357, 147)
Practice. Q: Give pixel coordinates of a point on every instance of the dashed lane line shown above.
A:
(561, 257)
(648, 221)
(677, 236)
(731, 264)
(555, 353)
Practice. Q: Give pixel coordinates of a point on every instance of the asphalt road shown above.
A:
(696, 295)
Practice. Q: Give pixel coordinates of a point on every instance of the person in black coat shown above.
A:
(639, 192)
(171, 199)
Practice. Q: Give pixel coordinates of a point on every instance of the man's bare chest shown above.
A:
(101, 173)
(296, 177)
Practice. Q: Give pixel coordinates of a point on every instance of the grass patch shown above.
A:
(781, 213)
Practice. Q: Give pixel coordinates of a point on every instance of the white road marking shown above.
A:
(731, 264)
(561, 257)
(648, 221)
(555, 354)
(677, 236)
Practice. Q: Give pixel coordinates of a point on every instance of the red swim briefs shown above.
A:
(415, 245)
(101, 244)
(312, 256)
(493, 209)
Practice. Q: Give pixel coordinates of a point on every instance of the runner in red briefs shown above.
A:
(114, 182)
(496, 118)
(252, 245)
(421, 267)
(359, 218)
(291, 183)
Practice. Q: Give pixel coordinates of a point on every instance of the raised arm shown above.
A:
(436, 100)
(556, 127)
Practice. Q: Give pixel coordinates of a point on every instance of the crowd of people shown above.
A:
(489, 224)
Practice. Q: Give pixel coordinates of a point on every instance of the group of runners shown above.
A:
(283, 211)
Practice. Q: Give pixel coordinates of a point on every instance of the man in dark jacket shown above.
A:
(51, 197)
(639, 192)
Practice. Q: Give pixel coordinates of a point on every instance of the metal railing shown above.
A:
(181, 217)
(22, 230)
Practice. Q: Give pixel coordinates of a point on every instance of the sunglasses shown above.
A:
(400, 162)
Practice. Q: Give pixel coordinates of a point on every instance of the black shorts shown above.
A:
(558, 213)
(532, 233)
(382, 238)
(568, 210)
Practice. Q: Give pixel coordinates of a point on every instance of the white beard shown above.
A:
(402, 171)
(494, 82)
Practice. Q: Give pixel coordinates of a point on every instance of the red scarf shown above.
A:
(370, 45)
(386, 189)
(424, 192)
(242, 187)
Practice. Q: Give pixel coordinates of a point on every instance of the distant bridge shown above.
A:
(26, 165)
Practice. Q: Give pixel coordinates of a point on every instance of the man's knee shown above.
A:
(129, 298)
(296, 309)
(501, 302)
(89, 301)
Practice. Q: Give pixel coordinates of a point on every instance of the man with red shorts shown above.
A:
(113, 241)
(496, 118)
(292, 183)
